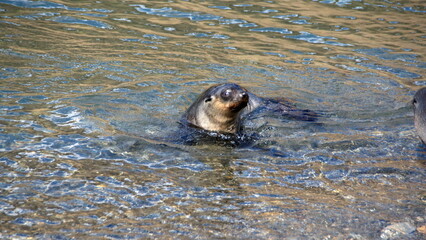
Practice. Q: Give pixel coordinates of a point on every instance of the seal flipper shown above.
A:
(280, 107)
(290, 111)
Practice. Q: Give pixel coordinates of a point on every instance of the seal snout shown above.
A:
(235, 98)
(244, 96)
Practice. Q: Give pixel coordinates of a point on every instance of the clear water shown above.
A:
(78, 79)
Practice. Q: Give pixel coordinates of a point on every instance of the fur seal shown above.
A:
(221, 108)
(419, 107)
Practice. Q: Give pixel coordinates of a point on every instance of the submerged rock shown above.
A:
(397, 230)
(422, 229)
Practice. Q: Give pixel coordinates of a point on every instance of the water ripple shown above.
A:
(47, 5)
(400, 72)
(271, 29)
(38, 4)
(169, 12)
(73, 20)
(312, 38)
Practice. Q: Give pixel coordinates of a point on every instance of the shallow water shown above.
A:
(79, 79)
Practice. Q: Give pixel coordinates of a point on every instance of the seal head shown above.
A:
(419, 106)
(219, 108)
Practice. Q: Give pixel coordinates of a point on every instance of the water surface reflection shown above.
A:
(80, 79)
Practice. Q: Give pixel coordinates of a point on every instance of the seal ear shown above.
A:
(208, 99)
(414, 103)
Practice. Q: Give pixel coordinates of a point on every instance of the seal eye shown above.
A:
(226, 94)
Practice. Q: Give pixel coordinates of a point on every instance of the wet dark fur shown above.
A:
(419, 107)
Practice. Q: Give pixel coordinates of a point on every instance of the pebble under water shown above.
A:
(92, 91)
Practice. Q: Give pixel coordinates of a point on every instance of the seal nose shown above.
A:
(244, 95)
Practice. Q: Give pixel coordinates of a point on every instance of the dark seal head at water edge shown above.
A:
(419, 107)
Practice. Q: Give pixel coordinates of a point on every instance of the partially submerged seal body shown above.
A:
(221, 108)
(419, 106)
(216, 117)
